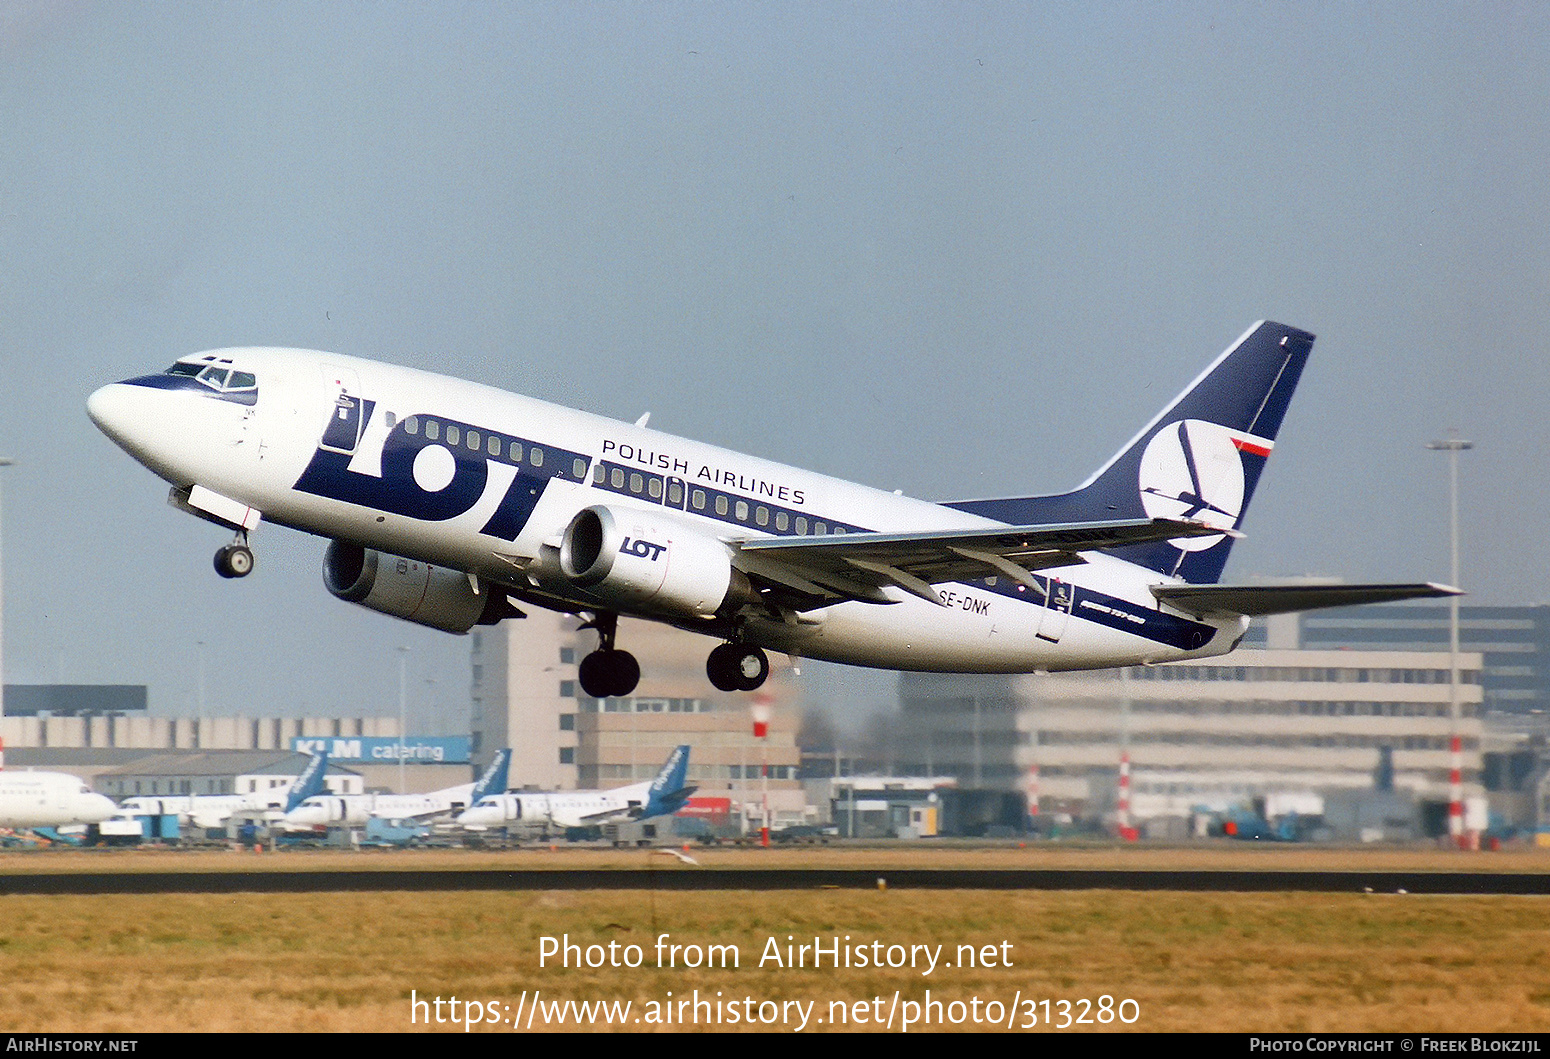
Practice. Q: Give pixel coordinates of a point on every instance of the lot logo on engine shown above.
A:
(644, 549)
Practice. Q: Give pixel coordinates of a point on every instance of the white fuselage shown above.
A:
(556, 810)
(208, 810)
(50, 799)
(469, 504)
(353, 810)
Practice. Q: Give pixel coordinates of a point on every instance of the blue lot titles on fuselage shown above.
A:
(450, 487)
(400, 490)
(675, 465)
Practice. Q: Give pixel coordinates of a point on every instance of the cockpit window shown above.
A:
(220, 377)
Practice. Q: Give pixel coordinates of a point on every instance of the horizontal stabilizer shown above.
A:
(1256, 600)
(665, 806)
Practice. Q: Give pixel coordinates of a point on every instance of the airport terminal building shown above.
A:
(1260, 722)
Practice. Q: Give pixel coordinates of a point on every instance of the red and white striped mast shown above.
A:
(1456, 782)
(761, 732)
(1122, 817)
(1124, 793)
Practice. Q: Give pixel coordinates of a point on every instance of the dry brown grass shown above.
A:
(1284, 962)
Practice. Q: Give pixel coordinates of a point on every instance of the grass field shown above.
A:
(1288, 962)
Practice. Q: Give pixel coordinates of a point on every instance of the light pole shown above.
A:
(5, 461)
(403, 654)
(1453, 446)
(1126, 832)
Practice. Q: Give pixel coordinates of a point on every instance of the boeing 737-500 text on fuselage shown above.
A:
(452, 504)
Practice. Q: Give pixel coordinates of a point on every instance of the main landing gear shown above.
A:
(236, 559)
(608, 672)
(737, 667)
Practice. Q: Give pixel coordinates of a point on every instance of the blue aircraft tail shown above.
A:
(668, 792)
(494, 779)
(310, 781)
(1199, 458)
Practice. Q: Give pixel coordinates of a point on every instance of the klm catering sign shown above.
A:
(417, 749)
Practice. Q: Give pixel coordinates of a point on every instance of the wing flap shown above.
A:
(1258, 600)
(858, 566)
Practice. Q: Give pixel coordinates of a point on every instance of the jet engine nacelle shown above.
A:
(409, 589)
(637, 559)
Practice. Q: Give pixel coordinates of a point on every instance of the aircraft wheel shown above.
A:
(721, 667)
(608, 674)
(736, 667)
(234, 560)
(753, 668)
(593, 674)
(626, 672)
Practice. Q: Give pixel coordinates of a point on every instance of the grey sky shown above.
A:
(954, 249)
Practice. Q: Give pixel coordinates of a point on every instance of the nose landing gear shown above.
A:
(235, 559)
(737, 667)
(607, 672)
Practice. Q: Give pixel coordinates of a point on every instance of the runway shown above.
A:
(677, 877)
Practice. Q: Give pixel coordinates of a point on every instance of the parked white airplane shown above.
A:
(447, 500)
(353, 810)
(213, 810)
(49, 799)
(556, 810)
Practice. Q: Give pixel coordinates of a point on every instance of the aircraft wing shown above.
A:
(618, 812)
(1256, 600)
(824, 570)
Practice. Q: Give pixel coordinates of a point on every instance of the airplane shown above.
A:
(556, 810)
(50, 799)
(353, 810)
(214, 810)
(448, 503)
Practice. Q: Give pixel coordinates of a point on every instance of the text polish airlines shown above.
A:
(354, 810)
(450, 504)
(544, 811)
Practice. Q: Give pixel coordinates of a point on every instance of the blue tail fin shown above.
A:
(310, 781)
(494, 779)
(668, 792)
(1199, 458)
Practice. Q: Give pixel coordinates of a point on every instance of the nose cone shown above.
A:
(181, 436)
(116, 409)
(479, 817)
(98, 808)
